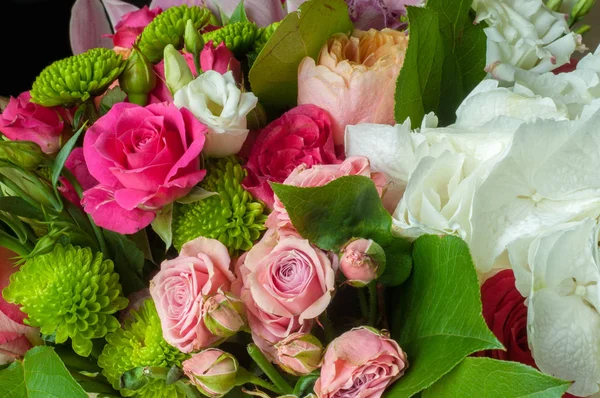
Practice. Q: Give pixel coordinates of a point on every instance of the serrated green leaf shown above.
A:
(41, 374)
(239, 14)
(489, 378)
(438, 320)
(348, 207)
(274, 74)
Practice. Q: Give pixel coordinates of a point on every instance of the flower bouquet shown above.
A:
(325, 198)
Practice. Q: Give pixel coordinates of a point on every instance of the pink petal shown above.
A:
(116, 9)
(88, 25)
(264, 12)
(164, 4)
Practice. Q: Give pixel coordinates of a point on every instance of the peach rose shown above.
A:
(355, 78)
(180, 286)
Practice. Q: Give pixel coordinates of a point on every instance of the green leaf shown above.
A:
(19, 207)
(112, 96)
(438, 320)
(162, 225)
(128, 260)
(41, 374)
(63, 154)
(239, 14)
(489, 378)
(274, 74)
(348, 207)
(305, 384)
(445, 60)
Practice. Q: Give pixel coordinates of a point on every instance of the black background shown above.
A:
(33, 34)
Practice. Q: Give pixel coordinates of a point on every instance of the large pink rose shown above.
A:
(317, 176)
(355, 78)
(143, 159)
(361, 363)
(180, 286)
(131, 26)
(14, 335)
(300, 136)
(23, 120)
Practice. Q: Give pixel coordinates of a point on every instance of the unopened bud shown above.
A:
(25, 154)
(223, 314)
(177, 71)
(138, 78)
(554, 5)
(299, 353)
(193, 42)
(581, 9)
(212, 371)
(362, 261)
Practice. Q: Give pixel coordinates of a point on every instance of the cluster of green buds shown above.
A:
(232, 215)
(70, 293)
(238, 37)
(140, 343)
(169, 28)
(75, 79)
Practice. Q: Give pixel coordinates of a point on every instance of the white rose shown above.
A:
(524, 34)
(558, 271)
(217, 102)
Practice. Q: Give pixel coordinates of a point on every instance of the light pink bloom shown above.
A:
(220, 59)
(143, 158)
(360, 363)
(356, 264)
(299, 354)
(223, 314)
(317, 176)
(212, 371)
(178, 289)
(23, 120)
(355, 78)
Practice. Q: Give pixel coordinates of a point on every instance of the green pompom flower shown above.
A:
(263, 35)
(169, 28)
(71, 292)
(140, 343)
(71, 80)
(238, 37)
(233, 216)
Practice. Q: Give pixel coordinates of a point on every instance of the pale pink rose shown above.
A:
(178, 289)
(355, 78)
(299, 354)
(132, 25)
(212, 371)
(357, 266)
(23, 120)
(360, 363)
(317, 176)
(220, 59)
(223, 314)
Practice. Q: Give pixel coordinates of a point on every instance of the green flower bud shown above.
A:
(238, 37)
(233, 216)
(554, 5)
(71, 292)
(140, 343)
(138, 78)
(212, 371)
(75, 79)
(169, 28)
(223, 314)
(299, 353)
(25, 154)
(193, 43)
(177, 71)
(263, 35)
(581, 9)
(257, 118)
(362, 261)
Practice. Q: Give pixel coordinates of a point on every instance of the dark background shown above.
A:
(34, 33)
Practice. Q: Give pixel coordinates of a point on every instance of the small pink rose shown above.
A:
(212, 371)
(143, 159)
(223, 314)
(360, 363)
(362, 262)
(132, 25)
(302, 135)
(23, 120)
(180, 286)
(299, 353)
(220, 59)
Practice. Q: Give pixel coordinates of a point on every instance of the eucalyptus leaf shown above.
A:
(437, 316)
(490, 378)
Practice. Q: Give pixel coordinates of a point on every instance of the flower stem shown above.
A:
(244, 376)
(267, 367)
(327, 328)
(373, 303)
(362, 300)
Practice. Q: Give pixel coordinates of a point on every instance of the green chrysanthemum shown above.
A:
(238, 37)
(71, 292)
(263, 35)
(77, 78)
(233, 216)
(140, 343)
(169, 27)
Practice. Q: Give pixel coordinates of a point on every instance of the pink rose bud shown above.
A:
(362, 261)
(212, 371)
(299, 354)
(220, 59)
(223, 314)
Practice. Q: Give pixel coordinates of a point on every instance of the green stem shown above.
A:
(362, 300)
(373, 303)
(267, 367)
(189, 390)
(264, 384)
(14, 245)
(327, 328)
(244, 376)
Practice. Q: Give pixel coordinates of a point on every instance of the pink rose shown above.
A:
(178, 289)
(76, 165)
(131, 26)
(220, 59)
(317, 176)
(161, 92)
(300, 136)
(23, 120)
(354, 79)
(360, 364)
(359, 262)
(143, 159)
(14, 341)
(299, 354)
(212, 371)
